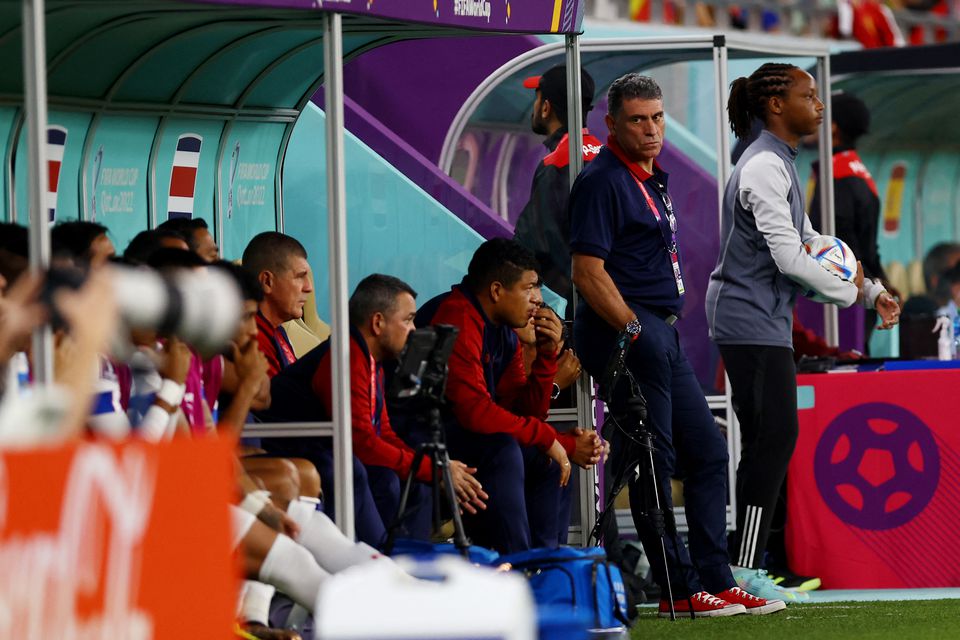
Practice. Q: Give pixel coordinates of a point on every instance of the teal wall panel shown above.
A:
(246, 197)
(68, 183)
(393, 226)
(938, 197)
(7, 116)
(116, 174)
(897, 237)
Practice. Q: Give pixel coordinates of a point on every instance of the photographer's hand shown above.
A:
(549, 331)
(176, 360)
(558, 455)
(91, 315)
(470, 493)
(20, 314)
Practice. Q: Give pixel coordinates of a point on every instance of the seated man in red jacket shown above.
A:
(498, 412)
(382, 309)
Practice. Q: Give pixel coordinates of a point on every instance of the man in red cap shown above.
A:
(543, 225)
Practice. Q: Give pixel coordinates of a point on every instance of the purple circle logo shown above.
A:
(877, 466)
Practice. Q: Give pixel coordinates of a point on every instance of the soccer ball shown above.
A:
(835, 256)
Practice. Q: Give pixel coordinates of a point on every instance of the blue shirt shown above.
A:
(611, 219)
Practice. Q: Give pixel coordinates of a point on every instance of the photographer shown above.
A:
(57, 412)
(498, 422)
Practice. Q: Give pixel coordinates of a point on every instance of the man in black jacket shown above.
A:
(543, 225)
(856, 203)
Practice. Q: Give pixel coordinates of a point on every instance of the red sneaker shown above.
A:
(704, 605)
(754, 605)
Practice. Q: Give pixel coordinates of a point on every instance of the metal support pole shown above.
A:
(337, 247)
(831, 326)
(588, 479)
(35, 105)
(574, 106)
(724, 169)
(720, 74)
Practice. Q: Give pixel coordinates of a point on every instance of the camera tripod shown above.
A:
(638, 458)
(436, 449)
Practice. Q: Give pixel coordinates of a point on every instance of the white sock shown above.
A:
(241, 521)
(293, 571)
(334, 551)
(255, 602)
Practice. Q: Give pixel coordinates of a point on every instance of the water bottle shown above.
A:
(956, 336)
(945, 346)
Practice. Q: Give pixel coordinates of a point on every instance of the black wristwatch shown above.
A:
(633, 327)
(555, 393)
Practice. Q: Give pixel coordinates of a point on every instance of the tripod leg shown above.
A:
(401, 510)
(435, 487)
(460, 539)
(662, 527)
(619, 482)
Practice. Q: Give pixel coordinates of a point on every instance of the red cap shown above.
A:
(533, 82)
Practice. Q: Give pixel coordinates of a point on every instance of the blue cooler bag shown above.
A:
(423, 550)
(580, 579)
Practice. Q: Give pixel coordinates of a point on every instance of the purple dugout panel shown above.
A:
(518, 16)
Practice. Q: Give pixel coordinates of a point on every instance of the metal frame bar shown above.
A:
(725, 402)
(590, 501)
(35, 97)
(831, 324)
(9, 159)
(289, 430)
(337, 243)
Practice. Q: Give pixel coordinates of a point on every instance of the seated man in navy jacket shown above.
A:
(497, 415)
(382, 310)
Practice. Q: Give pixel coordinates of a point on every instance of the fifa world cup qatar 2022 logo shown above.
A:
(877, 466)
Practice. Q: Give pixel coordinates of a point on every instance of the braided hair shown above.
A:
(748, 96)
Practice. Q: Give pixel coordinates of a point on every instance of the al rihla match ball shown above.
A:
(835, 256)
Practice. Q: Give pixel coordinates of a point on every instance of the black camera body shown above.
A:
(422, 369)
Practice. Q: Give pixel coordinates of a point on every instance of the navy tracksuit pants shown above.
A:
(687, 444)
(527, 507)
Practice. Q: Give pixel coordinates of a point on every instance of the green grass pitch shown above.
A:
(905, 620)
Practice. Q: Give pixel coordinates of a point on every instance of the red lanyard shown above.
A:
(374, 396)
(672, 245)
(285, 347)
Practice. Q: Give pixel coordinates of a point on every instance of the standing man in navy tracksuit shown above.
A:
(497, 418)
(543, 225)
(627, 265)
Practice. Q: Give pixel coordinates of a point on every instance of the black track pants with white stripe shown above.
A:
(764, 384)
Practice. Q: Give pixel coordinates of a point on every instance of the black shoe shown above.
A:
(787, 579)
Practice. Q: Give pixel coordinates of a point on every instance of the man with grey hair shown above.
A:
(627, 266)
(279, 262)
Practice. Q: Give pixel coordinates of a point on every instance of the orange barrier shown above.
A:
(124, 541)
